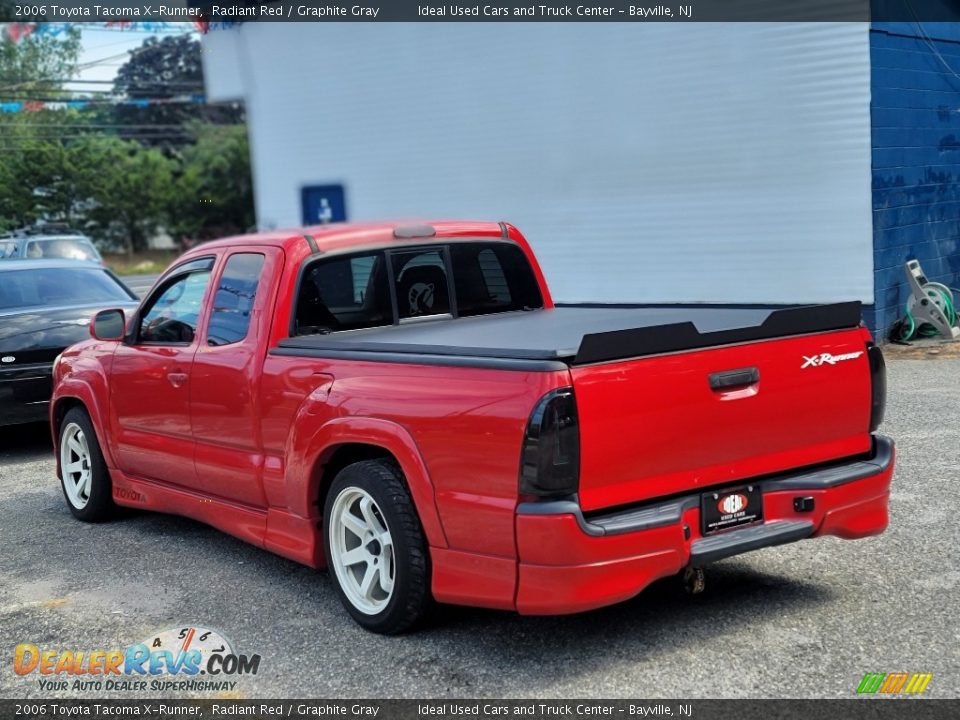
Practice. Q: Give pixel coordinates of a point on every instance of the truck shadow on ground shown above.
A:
(735, 591)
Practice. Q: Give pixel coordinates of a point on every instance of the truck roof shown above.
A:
(339, 236)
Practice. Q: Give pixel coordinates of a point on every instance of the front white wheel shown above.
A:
(84, 476)
(75, 465)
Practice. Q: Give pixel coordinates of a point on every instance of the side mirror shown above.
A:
(108, 325)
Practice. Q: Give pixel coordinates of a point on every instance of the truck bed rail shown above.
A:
(575, 335)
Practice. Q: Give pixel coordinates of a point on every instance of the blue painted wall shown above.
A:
(915, 108)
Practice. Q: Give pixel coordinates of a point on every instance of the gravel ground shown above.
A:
(804, 620)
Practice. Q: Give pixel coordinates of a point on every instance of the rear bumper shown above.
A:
(569, 563)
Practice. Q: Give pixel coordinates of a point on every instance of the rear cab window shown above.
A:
(407, 284)
(422, 287)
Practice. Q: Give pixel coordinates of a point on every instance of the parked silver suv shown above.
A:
(48, 241)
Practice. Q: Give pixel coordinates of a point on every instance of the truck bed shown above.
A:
(579, 335)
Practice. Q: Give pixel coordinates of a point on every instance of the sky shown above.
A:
(106, 49)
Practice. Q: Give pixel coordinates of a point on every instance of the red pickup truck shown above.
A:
(407, 406)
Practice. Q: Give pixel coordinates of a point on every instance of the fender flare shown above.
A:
(73, 388)
(307, 446)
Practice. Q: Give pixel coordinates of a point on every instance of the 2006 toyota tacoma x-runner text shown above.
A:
(407, 406)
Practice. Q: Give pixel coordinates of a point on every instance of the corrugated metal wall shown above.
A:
(646, 162)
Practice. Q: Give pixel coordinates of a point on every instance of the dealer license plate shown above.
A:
(731, 508)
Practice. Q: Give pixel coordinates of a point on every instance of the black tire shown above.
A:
(99, 505)
(411, 598)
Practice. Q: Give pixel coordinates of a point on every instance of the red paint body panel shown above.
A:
(241, 443)
(653, 426)
(564, 570)
(150, 418)
(242, 521)
(461, 578)
(228, 451)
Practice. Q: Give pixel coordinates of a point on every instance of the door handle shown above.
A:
(177, 379)
(734, 378)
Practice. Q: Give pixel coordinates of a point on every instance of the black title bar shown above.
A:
(863, 709)
(226, 12)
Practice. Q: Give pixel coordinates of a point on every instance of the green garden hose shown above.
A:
(942, 296)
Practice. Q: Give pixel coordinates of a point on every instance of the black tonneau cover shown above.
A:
(578, 335)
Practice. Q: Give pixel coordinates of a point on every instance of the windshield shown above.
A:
(59, 286)
(67, 248)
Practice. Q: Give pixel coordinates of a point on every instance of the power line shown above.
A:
(112, 100)
(125, 42)
(80, 67)
(93, 133)
(25, 145)
(83, 93)
(108, 125)
(196, 83)
(94, 63)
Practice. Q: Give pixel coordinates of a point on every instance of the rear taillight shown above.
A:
(878, 386)
(550, 465)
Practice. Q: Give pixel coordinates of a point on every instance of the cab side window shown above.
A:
(230, 317)
(173, 313)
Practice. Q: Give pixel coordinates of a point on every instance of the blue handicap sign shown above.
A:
(321, 204)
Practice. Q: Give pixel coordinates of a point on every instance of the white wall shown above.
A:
(645, 162)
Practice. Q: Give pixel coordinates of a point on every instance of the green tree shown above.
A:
(31, 178)
(16, 197)
(165, 68)
(214, 191)
(55, 165)
(36, 65)
(129, 189)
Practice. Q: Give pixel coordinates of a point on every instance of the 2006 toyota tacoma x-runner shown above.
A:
(407, 407)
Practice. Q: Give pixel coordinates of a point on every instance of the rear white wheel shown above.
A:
(375, 548)
(361, 549)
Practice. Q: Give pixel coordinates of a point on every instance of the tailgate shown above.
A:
(673, 423)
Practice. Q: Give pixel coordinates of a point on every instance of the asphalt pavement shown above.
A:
(803, 620)
(140, 284)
